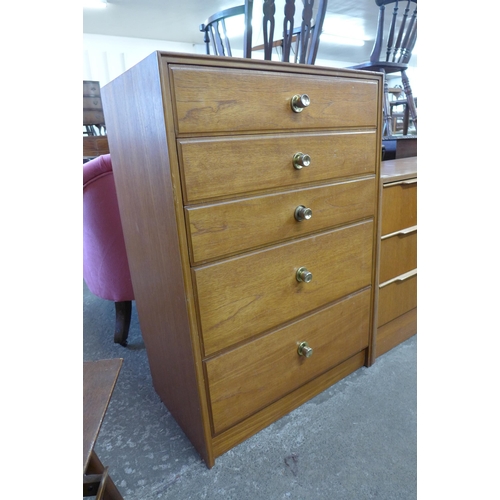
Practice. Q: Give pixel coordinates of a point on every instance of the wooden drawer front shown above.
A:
(244, 296)
(232, 100)
(95, 145)
(91, 89)
(399, 206)
(261, 163)
(93, 117)
(396, 298)
(92, 103)
(256, 374)
(226, 228)
(92, 110)
(398, 255)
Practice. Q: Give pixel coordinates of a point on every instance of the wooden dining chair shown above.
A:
(399, 32)
(301, 41)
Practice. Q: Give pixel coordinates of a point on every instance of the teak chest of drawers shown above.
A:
(397, 300)
(217, 176)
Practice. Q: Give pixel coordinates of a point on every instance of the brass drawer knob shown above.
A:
(299, 102)
(301, 160)
(304, 275)
(303, 213)
(305, 350)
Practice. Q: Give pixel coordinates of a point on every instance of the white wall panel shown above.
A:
(106, 57)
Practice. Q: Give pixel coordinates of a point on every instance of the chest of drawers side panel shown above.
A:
(144, 170)
(370, 355)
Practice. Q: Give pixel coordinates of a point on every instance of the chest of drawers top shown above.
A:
(212, 167)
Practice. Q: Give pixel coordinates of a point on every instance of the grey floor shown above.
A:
(357, 440)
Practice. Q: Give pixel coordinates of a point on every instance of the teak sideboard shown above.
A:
(248, 192)
(397, 289)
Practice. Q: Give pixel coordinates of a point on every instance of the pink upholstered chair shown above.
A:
(105, 264)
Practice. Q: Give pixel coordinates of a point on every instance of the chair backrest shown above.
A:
(216, 33)
(306, 36)
(401, 34)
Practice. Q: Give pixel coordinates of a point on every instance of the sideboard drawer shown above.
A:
(211, 100)
(92, 103)
(229, 227)
(396, 299)
(398, 255)
(399, 206)
(266, 162)
(91, 89)
(249, 294)
(254, 375)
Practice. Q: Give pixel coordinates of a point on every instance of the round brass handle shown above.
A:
(299, 102)
(301, 160)
(305, 350)
(304, 275)
(303, 213)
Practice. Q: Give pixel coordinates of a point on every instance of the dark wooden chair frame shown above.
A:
(306, 37)
(401, 40)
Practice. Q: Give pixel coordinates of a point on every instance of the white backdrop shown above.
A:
(106, 57)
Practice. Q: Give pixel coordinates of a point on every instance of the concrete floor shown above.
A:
(357, 440)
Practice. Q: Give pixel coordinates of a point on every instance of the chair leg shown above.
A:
(409, 98)
(387, 125)
(122, 325)
(96, 477)
(406, 119)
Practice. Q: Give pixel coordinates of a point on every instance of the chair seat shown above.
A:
(388, 67)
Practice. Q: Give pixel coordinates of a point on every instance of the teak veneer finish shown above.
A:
(230, 227)
(256, 374)
(398, 255)
(233, 307)
(205, 162)
(216, 101)
(95, 145)
(202, 156)
(397, 290)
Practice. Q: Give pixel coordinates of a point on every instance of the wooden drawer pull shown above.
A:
(402, 277)
(406, 182)
(403, 232)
